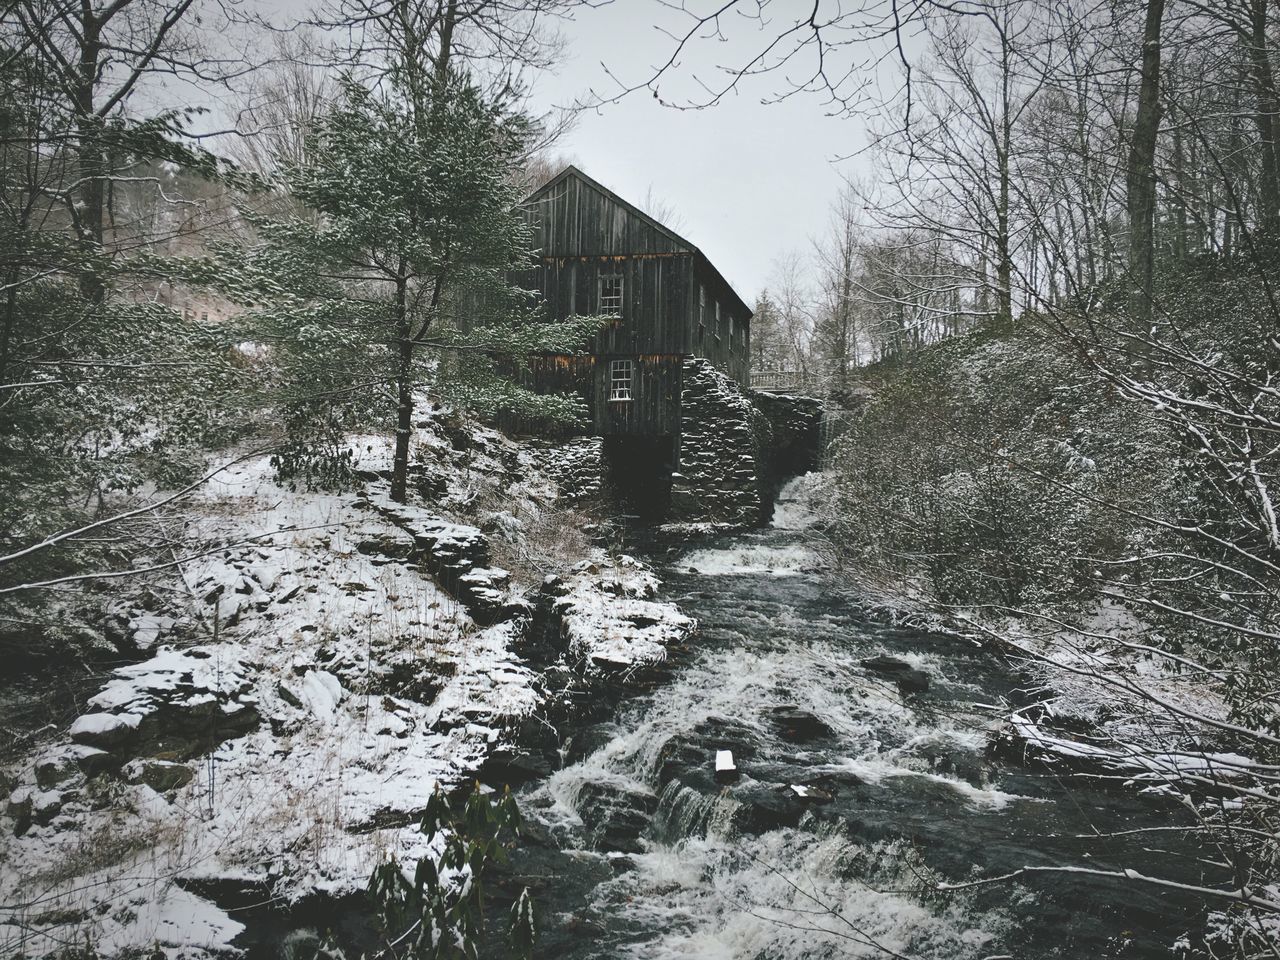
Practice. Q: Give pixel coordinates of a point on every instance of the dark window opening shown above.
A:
(638, 473)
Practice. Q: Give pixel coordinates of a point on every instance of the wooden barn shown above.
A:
(598, 254)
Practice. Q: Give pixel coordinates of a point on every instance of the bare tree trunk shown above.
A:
(1180, 198)
(404, 390)
(91, 213)
(1268, 103)
(1141, 175)
(10, 320)
(406, 339)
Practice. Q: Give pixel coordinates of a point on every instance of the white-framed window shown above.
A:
(717, 319)
(620, 380)
(732, 331)
(611, 295)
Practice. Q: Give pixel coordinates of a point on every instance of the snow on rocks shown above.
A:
(330, 685)
(458, 555)
(180, 702)
(104, 729)
(321, 693)
(69, 762)
(1196, 769)
(1101, 679)
(609, 618)
(145, 630)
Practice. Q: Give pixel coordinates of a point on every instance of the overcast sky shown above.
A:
(749, 180)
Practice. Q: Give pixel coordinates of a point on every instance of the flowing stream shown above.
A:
(637, 851)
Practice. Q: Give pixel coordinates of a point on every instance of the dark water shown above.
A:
(638, 852)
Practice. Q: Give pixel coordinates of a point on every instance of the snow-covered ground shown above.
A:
(308, 690)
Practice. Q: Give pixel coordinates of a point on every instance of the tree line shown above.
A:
(330, 238)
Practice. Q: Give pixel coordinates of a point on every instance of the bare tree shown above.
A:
(1140, 175)
(98, 57)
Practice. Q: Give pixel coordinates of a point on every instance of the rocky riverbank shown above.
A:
(321, 664)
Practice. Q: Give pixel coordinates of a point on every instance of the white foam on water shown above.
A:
(878, 769)
(785, 895)
(797, 504)
(748, 558)
(720, 894)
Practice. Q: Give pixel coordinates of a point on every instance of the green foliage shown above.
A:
(97, 399)
(438, 913)
(391, 276)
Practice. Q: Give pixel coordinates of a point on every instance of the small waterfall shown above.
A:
(853, 794)
(685, 812)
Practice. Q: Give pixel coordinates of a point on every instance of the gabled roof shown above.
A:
(571, 171)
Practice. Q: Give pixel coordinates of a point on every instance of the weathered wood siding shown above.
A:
(573, 218)
(728, 343)
(654, 407)
(656, 383)
(655, 294)
(583, 233)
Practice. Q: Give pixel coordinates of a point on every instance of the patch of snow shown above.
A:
(99, 725)
(610, 623)
(321, 693)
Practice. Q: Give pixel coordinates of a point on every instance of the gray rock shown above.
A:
(45, 805)
(160, 775)
(907, 677)
(104, 730)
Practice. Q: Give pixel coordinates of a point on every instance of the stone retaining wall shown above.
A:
(736, 448)
(722, 441)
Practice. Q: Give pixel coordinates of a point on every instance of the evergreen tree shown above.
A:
(409, 230)
(103, 388)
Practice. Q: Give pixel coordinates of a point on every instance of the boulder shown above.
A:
(93, 761)
(811, 794)
(45, 805)
(615, 818)
(105, 730)
(160, 775)
(19, 808)
(907, 677)
(66, 763)
(763, 807)
(180, 702)
(513, 768)
(798, 725)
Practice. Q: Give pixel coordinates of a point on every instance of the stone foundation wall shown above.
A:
(578, 468)
(723, 439)
(736, 448)
(796, 425)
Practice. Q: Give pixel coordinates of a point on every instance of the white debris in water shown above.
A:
(724, 761)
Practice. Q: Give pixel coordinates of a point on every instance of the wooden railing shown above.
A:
(784, 381)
